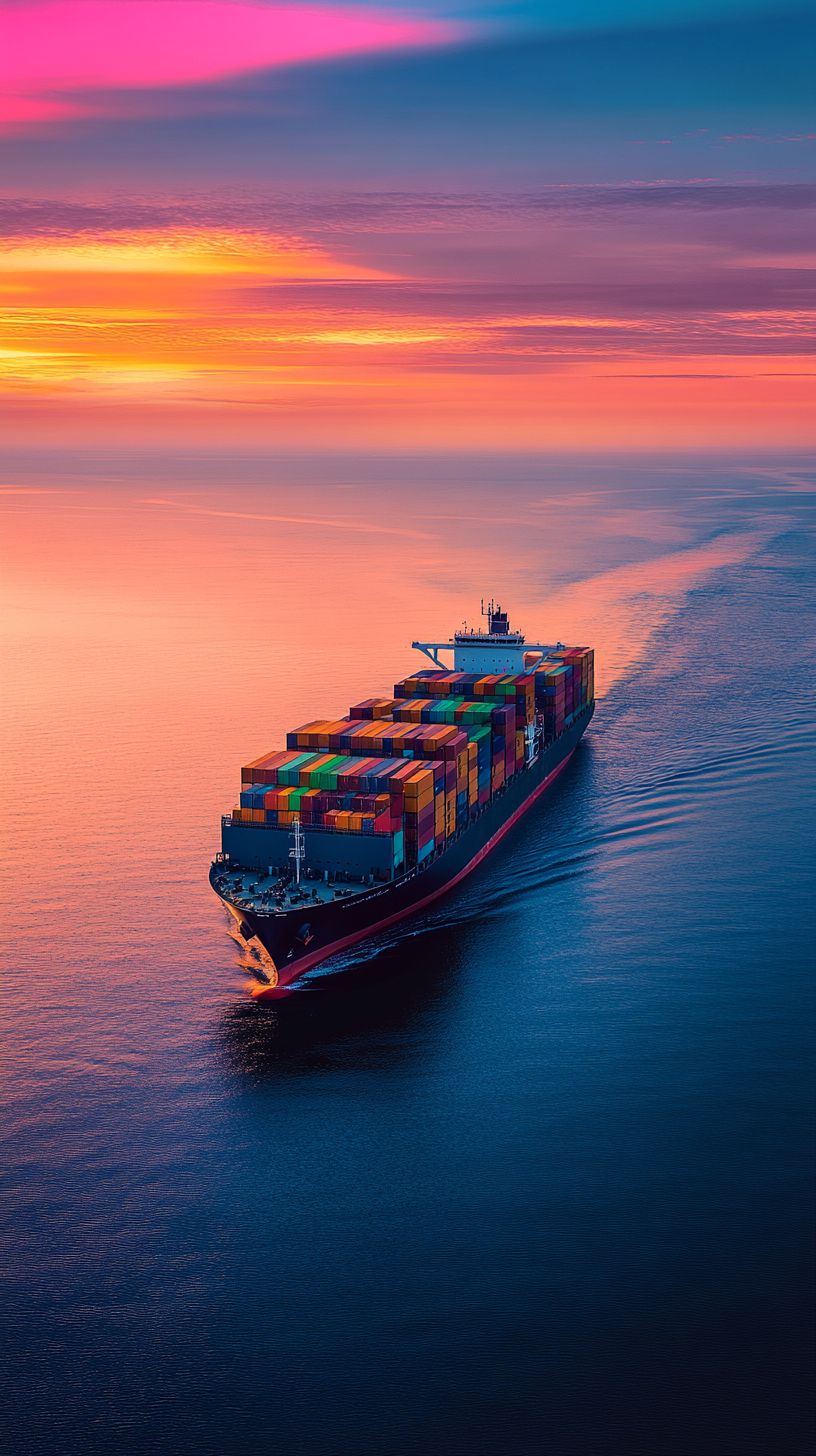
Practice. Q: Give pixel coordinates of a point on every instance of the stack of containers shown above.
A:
(498, 762)
(579, 663)
(439, 817)
(319, 786)
(582, 662)
(372, 708)
(551, 697)
(462, 773)
(480, 739)
(565, 685)
(424, 810)
(381, 738)
(344, 819)
(263, 770)
(428, 710)
(518, 686)
(464, 712)
(473, 777)
(420, 762)
(502, 715)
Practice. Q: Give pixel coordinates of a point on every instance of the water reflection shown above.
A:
(392, 1007)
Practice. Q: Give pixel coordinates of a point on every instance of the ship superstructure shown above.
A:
(364, 820)
(496, 650)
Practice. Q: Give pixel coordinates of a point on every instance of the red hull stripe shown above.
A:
(272, 993)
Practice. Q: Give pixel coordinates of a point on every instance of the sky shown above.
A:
(511, 227)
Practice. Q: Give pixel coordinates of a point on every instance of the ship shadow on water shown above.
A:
(393, 1006)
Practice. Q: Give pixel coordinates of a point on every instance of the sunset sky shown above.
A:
(470, 225)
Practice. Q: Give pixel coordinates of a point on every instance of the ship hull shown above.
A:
(300, 938)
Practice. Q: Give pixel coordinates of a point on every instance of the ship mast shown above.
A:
(298, 851)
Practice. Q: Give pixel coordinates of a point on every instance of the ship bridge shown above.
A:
(496, 650)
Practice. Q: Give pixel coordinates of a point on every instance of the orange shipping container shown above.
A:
(482, 689)
(399, 730)
(418, 783)
(418, 805)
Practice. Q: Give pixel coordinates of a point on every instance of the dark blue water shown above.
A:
(531, 1176)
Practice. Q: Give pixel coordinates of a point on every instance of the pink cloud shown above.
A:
(74, 45)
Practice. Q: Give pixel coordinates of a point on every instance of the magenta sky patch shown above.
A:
(74, 45)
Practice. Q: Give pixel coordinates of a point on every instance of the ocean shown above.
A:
(528, 1174)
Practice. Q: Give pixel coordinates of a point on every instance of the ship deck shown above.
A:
(249, 890)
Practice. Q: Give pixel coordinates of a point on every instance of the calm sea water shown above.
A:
(530, 1175)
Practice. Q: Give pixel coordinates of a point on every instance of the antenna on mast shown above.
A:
(497, 619)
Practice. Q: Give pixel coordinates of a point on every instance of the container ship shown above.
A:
(365, 820)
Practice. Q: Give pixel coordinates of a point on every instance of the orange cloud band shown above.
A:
(174, 332)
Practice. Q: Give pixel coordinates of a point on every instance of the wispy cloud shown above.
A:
(395, 211)
(334, 523)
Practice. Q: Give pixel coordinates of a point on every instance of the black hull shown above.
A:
(340, 924)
